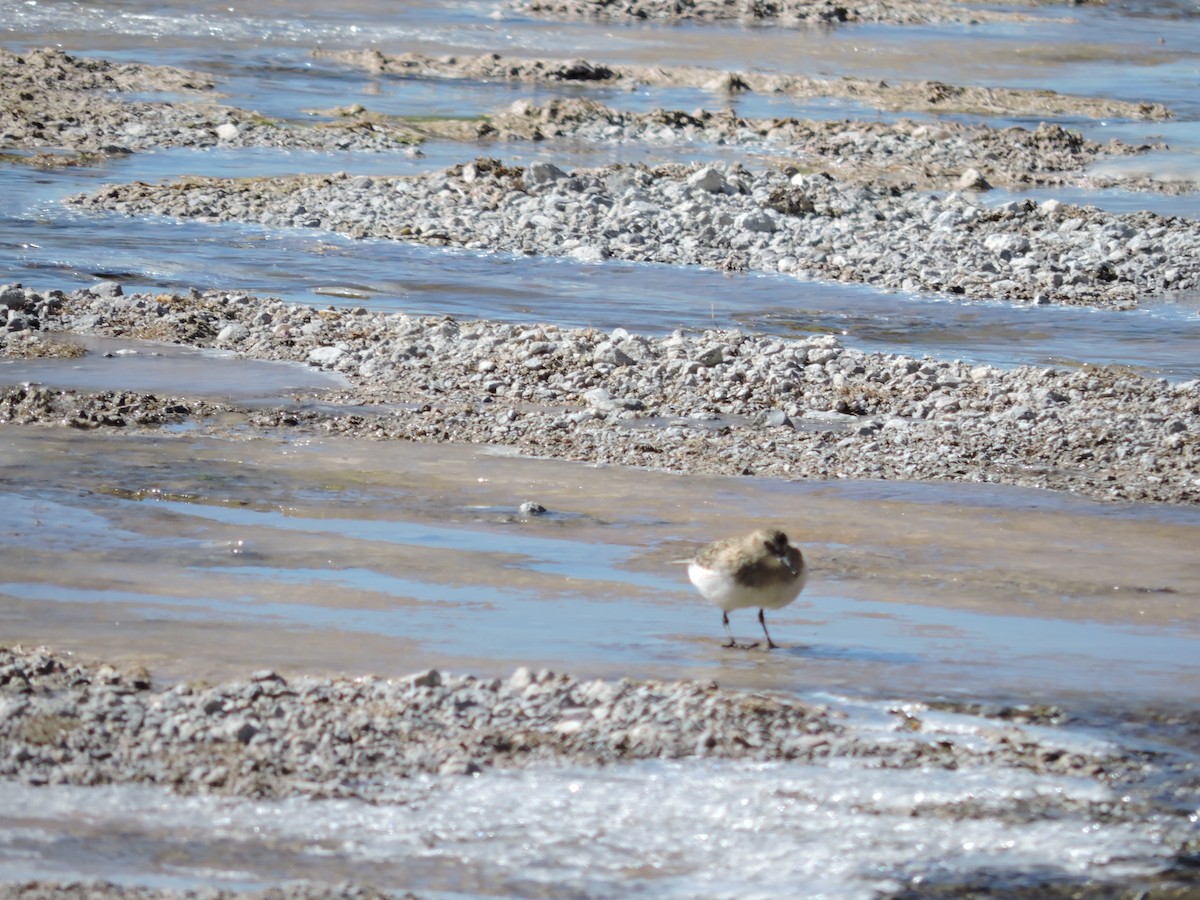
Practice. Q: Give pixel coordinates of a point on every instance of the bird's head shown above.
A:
(777, 545)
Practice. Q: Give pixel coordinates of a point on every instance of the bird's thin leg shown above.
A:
(762, 620)
(728, 630)
(732, 643)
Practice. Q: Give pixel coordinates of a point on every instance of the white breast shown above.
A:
(720, 589)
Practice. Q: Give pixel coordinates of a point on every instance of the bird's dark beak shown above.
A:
(788, 564)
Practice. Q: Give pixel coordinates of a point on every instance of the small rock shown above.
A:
(597, 396)
(727, 82)
(12, 296)
(708, 179)
(430, 678)
(106, 289)
(760, 222)
(232, 334)
(325, 356)
(457, 765)
(540, 172)
(972, 180)
(1012, 244)
(588, 253)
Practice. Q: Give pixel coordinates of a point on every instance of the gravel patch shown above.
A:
(810, 226)
(944, 155)
(26, 404)
(49, 68)
(52, 102)
(399, 740)
(900, 96)
(266, 736)
(786, 13)
(711, 401)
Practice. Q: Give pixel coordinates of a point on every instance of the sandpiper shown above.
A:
(759, 569)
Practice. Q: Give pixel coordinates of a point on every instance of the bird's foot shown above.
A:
(734, 645)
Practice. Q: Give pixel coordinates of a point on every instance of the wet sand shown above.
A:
(336, 555)
(1005, 675)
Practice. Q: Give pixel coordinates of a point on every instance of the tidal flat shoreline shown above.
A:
(705, 402)
(699, 401)
(891, 204)
(395, 741)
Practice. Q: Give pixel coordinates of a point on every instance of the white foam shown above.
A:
(676, 829)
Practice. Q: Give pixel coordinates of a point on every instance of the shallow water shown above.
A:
(352, 557)
(111, 364)
(361, 557)
(52, 247)
(653, 829)
(262, 57)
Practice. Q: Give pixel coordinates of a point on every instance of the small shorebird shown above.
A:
(759, 569)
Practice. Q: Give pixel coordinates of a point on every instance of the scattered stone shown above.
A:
(722, 218)
(707, 179)
(894, 95)
(543, 172)
(1104, 431)
(325, 357)
(232, 334)
(362, 738)
(788, 13)
(972, 180)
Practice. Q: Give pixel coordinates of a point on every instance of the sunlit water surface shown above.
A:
(655, 829)
(336, 556)
(354, 557)
(52, 247)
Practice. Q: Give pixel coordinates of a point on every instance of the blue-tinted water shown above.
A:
(48, 246)
(262, 59)
(212, 557)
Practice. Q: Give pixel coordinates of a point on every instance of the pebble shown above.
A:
(579, 394)
(908, 240)
(575, 393)
(794, 13)
(73, 723)
(1101, 430)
